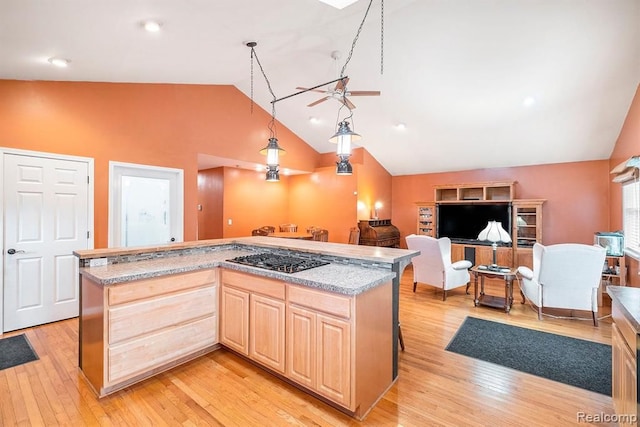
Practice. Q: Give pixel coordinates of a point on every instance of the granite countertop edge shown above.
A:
(338, 278)
(628, 299)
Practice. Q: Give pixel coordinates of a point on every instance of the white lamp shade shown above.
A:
(494, 232)
(344, 145)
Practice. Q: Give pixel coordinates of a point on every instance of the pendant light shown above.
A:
(344, 136)
(272, 150)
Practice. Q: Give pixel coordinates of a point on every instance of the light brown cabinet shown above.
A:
(326, 342)
(253, 317)
(477, 191)
(319, 342)
(526, 221)
(426, 219)
(483, 255)
(624, 377)
(234, 319)
(133, 330)
(526, 229)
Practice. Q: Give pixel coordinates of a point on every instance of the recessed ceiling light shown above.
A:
(401, 126)
(529, 101)
(59, 62)
(314, 120)
(152, 26)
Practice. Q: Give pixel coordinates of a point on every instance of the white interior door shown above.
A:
(46, 218)
(145, 205)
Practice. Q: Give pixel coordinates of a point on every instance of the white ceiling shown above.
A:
(455, 72)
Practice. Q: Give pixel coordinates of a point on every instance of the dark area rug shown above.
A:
(15, 351)
(572, 361)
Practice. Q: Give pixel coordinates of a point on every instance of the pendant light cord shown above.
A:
(353, 46)
(272, 122)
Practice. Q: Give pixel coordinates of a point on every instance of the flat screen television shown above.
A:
(463, 222)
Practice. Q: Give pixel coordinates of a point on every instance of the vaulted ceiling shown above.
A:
(477, 83)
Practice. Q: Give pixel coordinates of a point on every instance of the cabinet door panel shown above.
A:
(334, 352)
(301, 346)
(267, 332)
(234, 319)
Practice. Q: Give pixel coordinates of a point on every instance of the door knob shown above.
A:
(173, 239)
(13, 251)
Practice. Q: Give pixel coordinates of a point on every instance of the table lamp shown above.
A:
(494, 233)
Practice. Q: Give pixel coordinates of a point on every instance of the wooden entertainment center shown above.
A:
(526, 221)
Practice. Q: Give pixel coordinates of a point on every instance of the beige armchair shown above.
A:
(434, 267)
(565, 275)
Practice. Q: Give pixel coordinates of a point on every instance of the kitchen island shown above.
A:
(330, 330)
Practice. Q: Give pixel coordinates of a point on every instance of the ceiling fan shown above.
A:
(340, 93)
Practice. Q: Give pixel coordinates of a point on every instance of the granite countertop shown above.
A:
(346, 279)
(366, 253)
(628, 299)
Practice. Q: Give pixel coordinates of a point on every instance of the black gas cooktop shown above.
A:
(276, 262)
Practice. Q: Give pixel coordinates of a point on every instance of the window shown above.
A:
(631, 216)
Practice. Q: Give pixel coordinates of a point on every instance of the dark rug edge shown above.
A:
(32, 356)
(473, 318)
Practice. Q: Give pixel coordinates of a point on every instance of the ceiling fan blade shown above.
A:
(364, 93)
(311, 90)
(346, 102)
(318, 101)
(342, 84)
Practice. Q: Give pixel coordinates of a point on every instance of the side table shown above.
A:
(480, 298)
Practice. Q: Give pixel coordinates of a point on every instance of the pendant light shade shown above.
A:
(344, 137)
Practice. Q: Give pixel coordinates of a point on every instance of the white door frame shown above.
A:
(90, 204)
(115, 193)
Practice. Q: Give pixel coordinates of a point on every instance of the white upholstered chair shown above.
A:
(565, 275)
(434, 267)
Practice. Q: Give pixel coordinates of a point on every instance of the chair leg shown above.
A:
(414, 286)
(400, 337)
(467, 290)
(540, 312)
(444, 295)
(595, 318)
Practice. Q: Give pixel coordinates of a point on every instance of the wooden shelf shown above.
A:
(426, 219)
(485, 191)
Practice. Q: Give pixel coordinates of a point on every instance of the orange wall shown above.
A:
(251, 202)
(326, 200)
(374, 185)
(153, 124)
(577, 196)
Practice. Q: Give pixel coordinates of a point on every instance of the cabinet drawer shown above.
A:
(624, 326)
(143, 317)
(144, 354)
(141, 289)
(254, 284)
(338, 305)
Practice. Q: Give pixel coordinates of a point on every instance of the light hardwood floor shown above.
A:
(434, 387)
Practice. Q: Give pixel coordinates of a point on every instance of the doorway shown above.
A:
(146, 205)
(47, 214)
